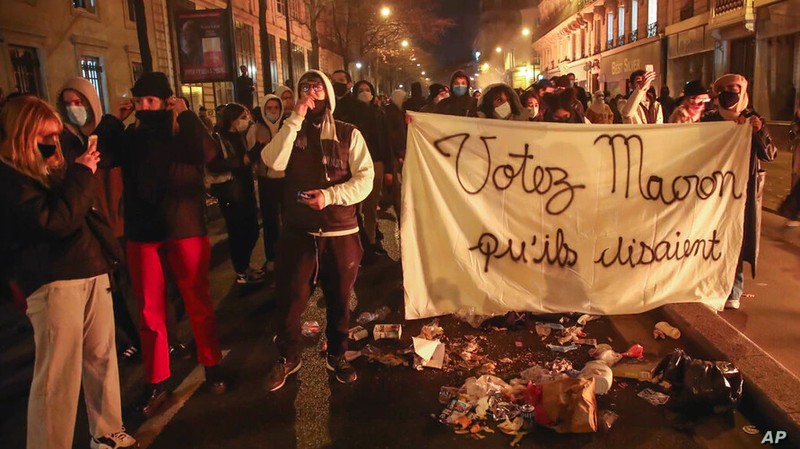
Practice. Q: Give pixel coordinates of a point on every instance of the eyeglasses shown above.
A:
(316, 87)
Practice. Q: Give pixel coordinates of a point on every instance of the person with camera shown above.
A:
(328, 172)
(58, 251)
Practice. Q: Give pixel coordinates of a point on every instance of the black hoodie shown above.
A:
(465, 105)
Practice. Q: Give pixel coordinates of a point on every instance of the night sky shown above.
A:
(456, 44)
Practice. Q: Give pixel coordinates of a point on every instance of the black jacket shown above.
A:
(46, 234)
(241, 188)
(162, 174)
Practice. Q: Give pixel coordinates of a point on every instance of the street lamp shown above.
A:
(485, 66)
(358, 65)
(385, 11)
(498, 49)
(418, 65)
(423, 72)
(404, 44)
(526, 31)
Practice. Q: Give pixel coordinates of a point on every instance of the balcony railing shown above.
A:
(634, 36)
(652, 29)
(597, 49)
(610, 44)
(723, 6)
(621, 40)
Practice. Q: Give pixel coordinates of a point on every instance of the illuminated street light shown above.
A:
(404, 44)
(485, 66)
(423, 72)
(498, 49)
(526, 31)
(477, 74)
(385, 11)
(358, 65)
(414, 58)
(418, 65)
(401, 86)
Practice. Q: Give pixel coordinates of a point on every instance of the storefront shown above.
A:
(691, 57)
(777, 71)
(616, 65)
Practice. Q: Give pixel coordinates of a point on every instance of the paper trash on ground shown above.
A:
(431, 352)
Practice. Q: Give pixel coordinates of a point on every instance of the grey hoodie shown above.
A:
(264, 133)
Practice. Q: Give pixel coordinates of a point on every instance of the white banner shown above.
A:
(602, 219)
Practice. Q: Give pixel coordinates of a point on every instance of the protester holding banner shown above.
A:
(328, 171)
(395, 119)
(692, 105)
(731, 97)
(531, 102)
(436, 93)
(270, 182)
(162, 157)
(560, 108)
(59, 252)
(499, 101)
(460, 101)
(231, 179)
(641, 106)
(416, 101)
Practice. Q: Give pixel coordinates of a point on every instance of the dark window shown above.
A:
(687, 9)
(280, 6)
(92, 70)
(298, 61)
(273, 61)
(245, 49)
(137, 69)
(131, 5)
(87, 5)
(27, 76)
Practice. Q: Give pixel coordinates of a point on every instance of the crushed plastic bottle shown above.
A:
(310, 328)
(368, 317)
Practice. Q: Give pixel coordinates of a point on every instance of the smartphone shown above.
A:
(648, 68)
(303, 195)
(93, 141)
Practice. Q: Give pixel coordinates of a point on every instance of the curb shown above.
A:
(773, 389)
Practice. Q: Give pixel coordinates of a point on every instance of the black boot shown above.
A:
(154, 395)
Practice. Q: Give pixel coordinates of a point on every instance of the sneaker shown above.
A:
(215, 379)
(280, 371)
(154, 395)
(248, 278)
(733, 304)
(113, 441)
(341, 368)
(130, 353)
(179, 351)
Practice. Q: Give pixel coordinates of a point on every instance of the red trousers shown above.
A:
(188, 260)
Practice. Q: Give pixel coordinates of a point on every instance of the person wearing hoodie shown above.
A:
(376, 132)
(230, 175)
(58, 252)
(460, 101)
(641, 106)
(162, 157)
(395, 118)
(692, 104)
(532, 103)
(436, 93)
(79, 107)
(416, 101)
(286, 94)
(270, 182)
(499, 101)
(328, 172)
(560, 108)
(599, 112)
(730, 92)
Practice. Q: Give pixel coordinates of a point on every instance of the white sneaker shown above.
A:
(114, 441)
(732, 304)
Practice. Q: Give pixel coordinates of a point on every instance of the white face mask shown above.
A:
(534, 111)
(365, 96)
(503, 111)
(242, 125)
(77, 115)
(272, 117)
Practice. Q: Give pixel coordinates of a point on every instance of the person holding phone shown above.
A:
(58, 252)
(641, 106)
(162, 156)
(328, 172)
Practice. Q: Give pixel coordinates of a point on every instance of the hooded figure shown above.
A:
(79, 123)
(436, 93)
(328, 172)
(263, 131)
(499, 101)
(730, 94)
(460, 101)
(286, 94)
(560, 109)
(417, 101)
(599, 112)
(692, 104)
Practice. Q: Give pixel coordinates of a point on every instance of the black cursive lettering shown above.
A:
(634, 254)
(556, 252)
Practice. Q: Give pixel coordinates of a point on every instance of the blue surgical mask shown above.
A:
(460, 90)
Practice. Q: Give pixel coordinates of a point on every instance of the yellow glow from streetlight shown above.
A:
(418, 65)
(423, 72)
(498, 49)
(526, 31)
(485, 66)
(404, 44)
(385, 11)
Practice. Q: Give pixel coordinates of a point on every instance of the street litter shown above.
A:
(601, 373)
(635, 351)
(653, 397)
(310, 328)
(571, 334)
(470, 317)
(387, 331)
(430, 351)
(606, 354)
(387, 358)
(357, 333)
(351, 355)
(518, 344)
(558, 348)
(668, 330)
(543, 330)
(607, 418)
(751, 430)
(586, 318)
(637, 369)
(700, 385)
(368, 317)
(431, 331)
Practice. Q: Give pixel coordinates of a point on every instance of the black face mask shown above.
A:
(156, 118)
(728, 99)
(47, 150)
(340, 89)
(318, 113)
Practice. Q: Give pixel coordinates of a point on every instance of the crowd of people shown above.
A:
(95, 208)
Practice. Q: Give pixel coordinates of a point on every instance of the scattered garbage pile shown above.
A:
(555, 377)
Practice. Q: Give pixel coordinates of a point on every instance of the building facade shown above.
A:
(98, 40)
(603, 41)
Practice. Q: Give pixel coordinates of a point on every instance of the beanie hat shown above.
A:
(152, 84)
(694, 88)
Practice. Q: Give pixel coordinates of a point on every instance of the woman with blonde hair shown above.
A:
(58, 252)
